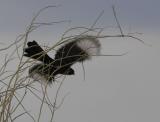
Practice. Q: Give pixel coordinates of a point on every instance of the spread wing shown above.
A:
(68, 54)
(34, 51)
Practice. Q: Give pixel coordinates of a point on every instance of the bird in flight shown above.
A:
(78, 50)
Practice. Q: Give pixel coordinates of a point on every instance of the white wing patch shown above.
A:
(37, 76)
(90, 45)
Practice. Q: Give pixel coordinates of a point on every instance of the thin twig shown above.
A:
(117, 21)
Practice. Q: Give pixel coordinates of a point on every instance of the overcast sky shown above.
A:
(116, 89)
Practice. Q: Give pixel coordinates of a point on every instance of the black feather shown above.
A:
(34, 51)
(67, 55)
(49, 67)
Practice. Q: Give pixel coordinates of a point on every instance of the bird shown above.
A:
(78, 49)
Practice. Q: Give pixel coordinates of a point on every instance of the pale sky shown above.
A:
(115, 89)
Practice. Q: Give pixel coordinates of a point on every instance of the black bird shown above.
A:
(77, 50)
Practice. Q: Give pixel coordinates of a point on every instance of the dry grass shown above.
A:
(15, 85)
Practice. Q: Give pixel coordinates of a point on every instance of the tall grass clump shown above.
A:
(16, 86)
